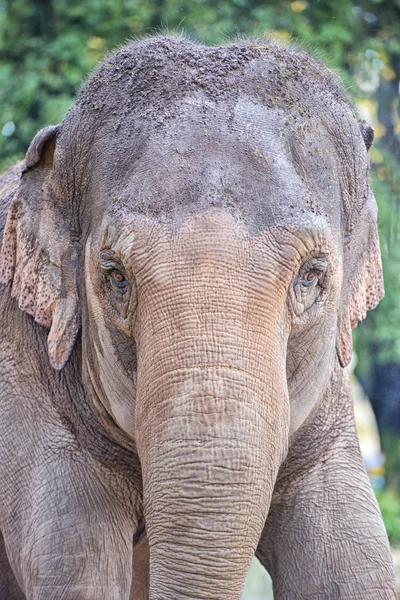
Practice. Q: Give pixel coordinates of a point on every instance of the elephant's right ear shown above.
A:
(38, 257)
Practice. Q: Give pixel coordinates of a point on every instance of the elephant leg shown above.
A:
(141, 570)
(324, 536)
(74, 537)
(9, 588)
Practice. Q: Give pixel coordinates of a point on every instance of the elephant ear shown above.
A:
(362, 278)
(38, 257)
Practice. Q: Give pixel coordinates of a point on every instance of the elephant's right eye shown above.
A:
(117, 287)
(118, 280)
(113, 272)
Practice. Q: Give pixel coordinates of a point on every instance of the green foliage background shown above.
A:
(47, 47)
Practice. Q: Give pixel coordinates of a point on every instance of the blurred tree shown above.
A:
(48, 46)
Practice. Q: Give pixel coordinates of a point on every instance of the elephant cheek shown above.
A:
(114, 385)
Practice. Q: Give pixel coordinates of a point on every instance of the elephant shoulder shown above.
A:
(8, 184)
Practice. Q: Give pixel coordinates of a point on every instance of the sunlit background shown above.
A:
(47, 48)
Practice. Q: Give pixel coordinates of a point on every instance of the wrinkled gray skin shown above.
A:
(182, 263)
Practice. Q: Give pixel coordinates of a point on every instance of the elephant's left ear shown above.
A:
(38, 256)
(362, 277)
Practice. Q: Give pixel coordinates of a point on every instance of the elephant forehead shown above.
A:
(242, 157)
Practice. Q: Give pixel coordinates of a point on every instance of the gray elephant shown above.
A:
(183, 260)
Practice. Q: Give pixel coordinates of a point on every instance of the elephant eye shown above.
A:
(310, 284)
(116, 287)
(112, 272)
(119, 280)
(310, 279)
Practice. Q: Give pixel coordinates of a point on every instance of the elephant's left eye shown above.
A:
(310, 279)
(309, 286)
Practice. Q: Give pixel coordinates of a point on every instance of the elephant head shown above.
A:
(204, 217)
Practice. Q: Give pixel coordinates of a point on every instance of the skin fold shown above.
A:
(182, 262)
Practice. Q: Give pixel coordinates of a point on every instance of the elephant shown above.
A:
(182, 263)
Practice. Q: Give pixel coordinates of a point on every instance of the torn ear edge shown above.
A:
(64, 330)
(42, 276)
(365, 297)
(38, 288)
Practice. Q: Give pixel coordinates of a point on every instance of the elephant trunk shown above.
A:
(212, 409)
(210, 450)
